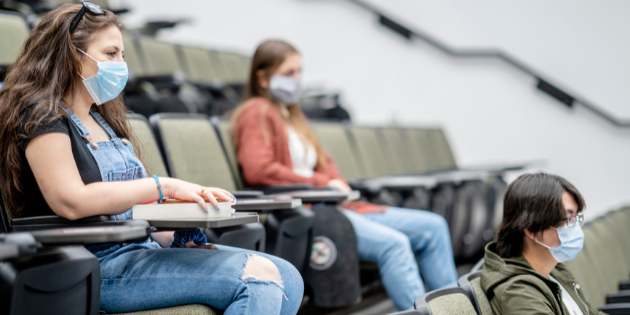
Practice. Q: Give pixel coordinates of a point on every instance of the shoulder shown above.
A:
(39, 118)
(42, 112)
(258, 107)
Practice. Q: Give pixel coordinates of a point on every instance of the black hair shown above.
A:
(533, 202)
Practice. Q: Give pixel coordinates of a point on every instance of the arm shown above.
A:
(331, 169)
(50, 157)
(260, 166)
(336, 180)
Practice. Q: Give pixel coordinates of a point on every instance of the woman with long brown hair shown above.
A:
(67, 149)
(276, 146)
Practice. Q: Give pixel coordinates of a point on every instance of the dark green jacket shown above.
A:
(515, 288)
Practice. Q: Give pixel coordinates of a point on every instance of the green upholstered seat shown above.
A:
(580, 267)
(193, 151)
(451, 304)
(131, 55)
(396, 151)
(219, 67)
(445, 302)
(471, 283)
(334, 140)
(149, 150)
(615, 253)
(13, 34)
(596, 276)
(190, 309)
(160, 57)
(443, 155)
(225, 133)
(419, 150)
(236, 71)
(617, 222)
(603, 256)
(482, 299)
(198, 66)
(368, 151)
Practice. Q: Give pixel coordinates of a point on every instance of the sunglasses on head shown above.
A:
(87, 5)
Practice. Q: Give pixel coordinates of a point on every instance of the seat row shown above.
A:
(415, 168)
(602, 269)
(162, 77)
(199, 149)
(175, 78)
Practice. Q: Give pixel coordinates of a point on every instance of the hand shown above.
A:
(182, 190)
(204, 246)
(339, 184)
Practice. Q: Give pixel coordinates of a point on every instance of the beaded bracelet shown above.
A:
(157, 181)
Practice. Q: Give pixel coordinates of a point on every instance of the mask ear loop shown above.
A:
(83, 52)
(87, 55)
(546, 246)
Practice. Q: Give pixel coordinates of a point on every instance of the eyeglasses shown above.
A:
(578, 219)
(95, 9)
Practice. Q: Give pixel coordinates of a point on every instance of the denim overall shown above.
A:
(140, 276)
(116, 161)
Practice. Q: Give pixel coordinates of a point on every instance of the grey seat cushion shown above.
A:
(190, 309)
(482, 299)
(456, 303)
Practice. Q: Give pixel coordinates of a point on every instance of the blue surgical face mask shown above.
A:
(285, 90)
(571, 243)
(108, 83)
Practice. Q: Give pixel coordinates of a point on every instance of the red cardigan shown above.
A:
(270, 163)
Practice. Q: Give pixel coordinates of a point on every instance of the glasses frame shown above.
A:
(94, 8)
(579, 219)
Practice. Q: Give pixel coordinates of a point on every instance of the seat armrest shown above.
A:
(246, 194)
(55, 219)
(130, 231)
(624, 284)
(278, 189)
(317, 196)
(56, 222)
(618, 297)
(615, 309)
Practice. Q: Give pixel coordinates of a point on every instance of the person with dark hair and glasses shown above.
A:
(542, 228)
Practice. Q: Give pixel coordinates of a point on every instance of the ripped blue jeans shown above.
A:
(144, 276)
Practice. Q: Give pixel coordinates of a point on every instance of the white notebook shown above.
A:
(180, 210)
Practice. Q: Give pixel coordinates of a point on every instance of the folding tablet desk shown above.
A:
(266, 205)
(315, 196)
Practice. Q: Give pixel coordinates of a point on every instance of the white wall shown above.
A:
(490, 111)
(580, 44)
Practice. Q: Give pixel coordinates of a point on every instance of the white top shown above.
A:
(568, 301)
(303, 158)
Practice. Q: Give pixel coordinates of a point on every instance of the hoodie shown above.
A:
(513, 287)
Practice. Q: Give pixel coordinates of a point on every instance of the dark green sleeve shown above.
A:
(521, 298)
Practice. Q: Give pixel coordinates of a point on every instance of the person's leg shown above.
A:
(291, 280)
(135, 278)
(430, 239)
(391, 251)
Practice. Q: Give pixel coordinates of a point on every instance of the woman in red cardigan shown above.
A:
(276, 146)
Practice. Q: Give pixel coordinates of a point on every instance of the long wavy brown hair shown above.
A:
(268, 57)
(48, 66)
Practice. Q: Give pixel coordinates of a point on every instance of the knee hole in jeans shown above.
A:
(261, 268)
